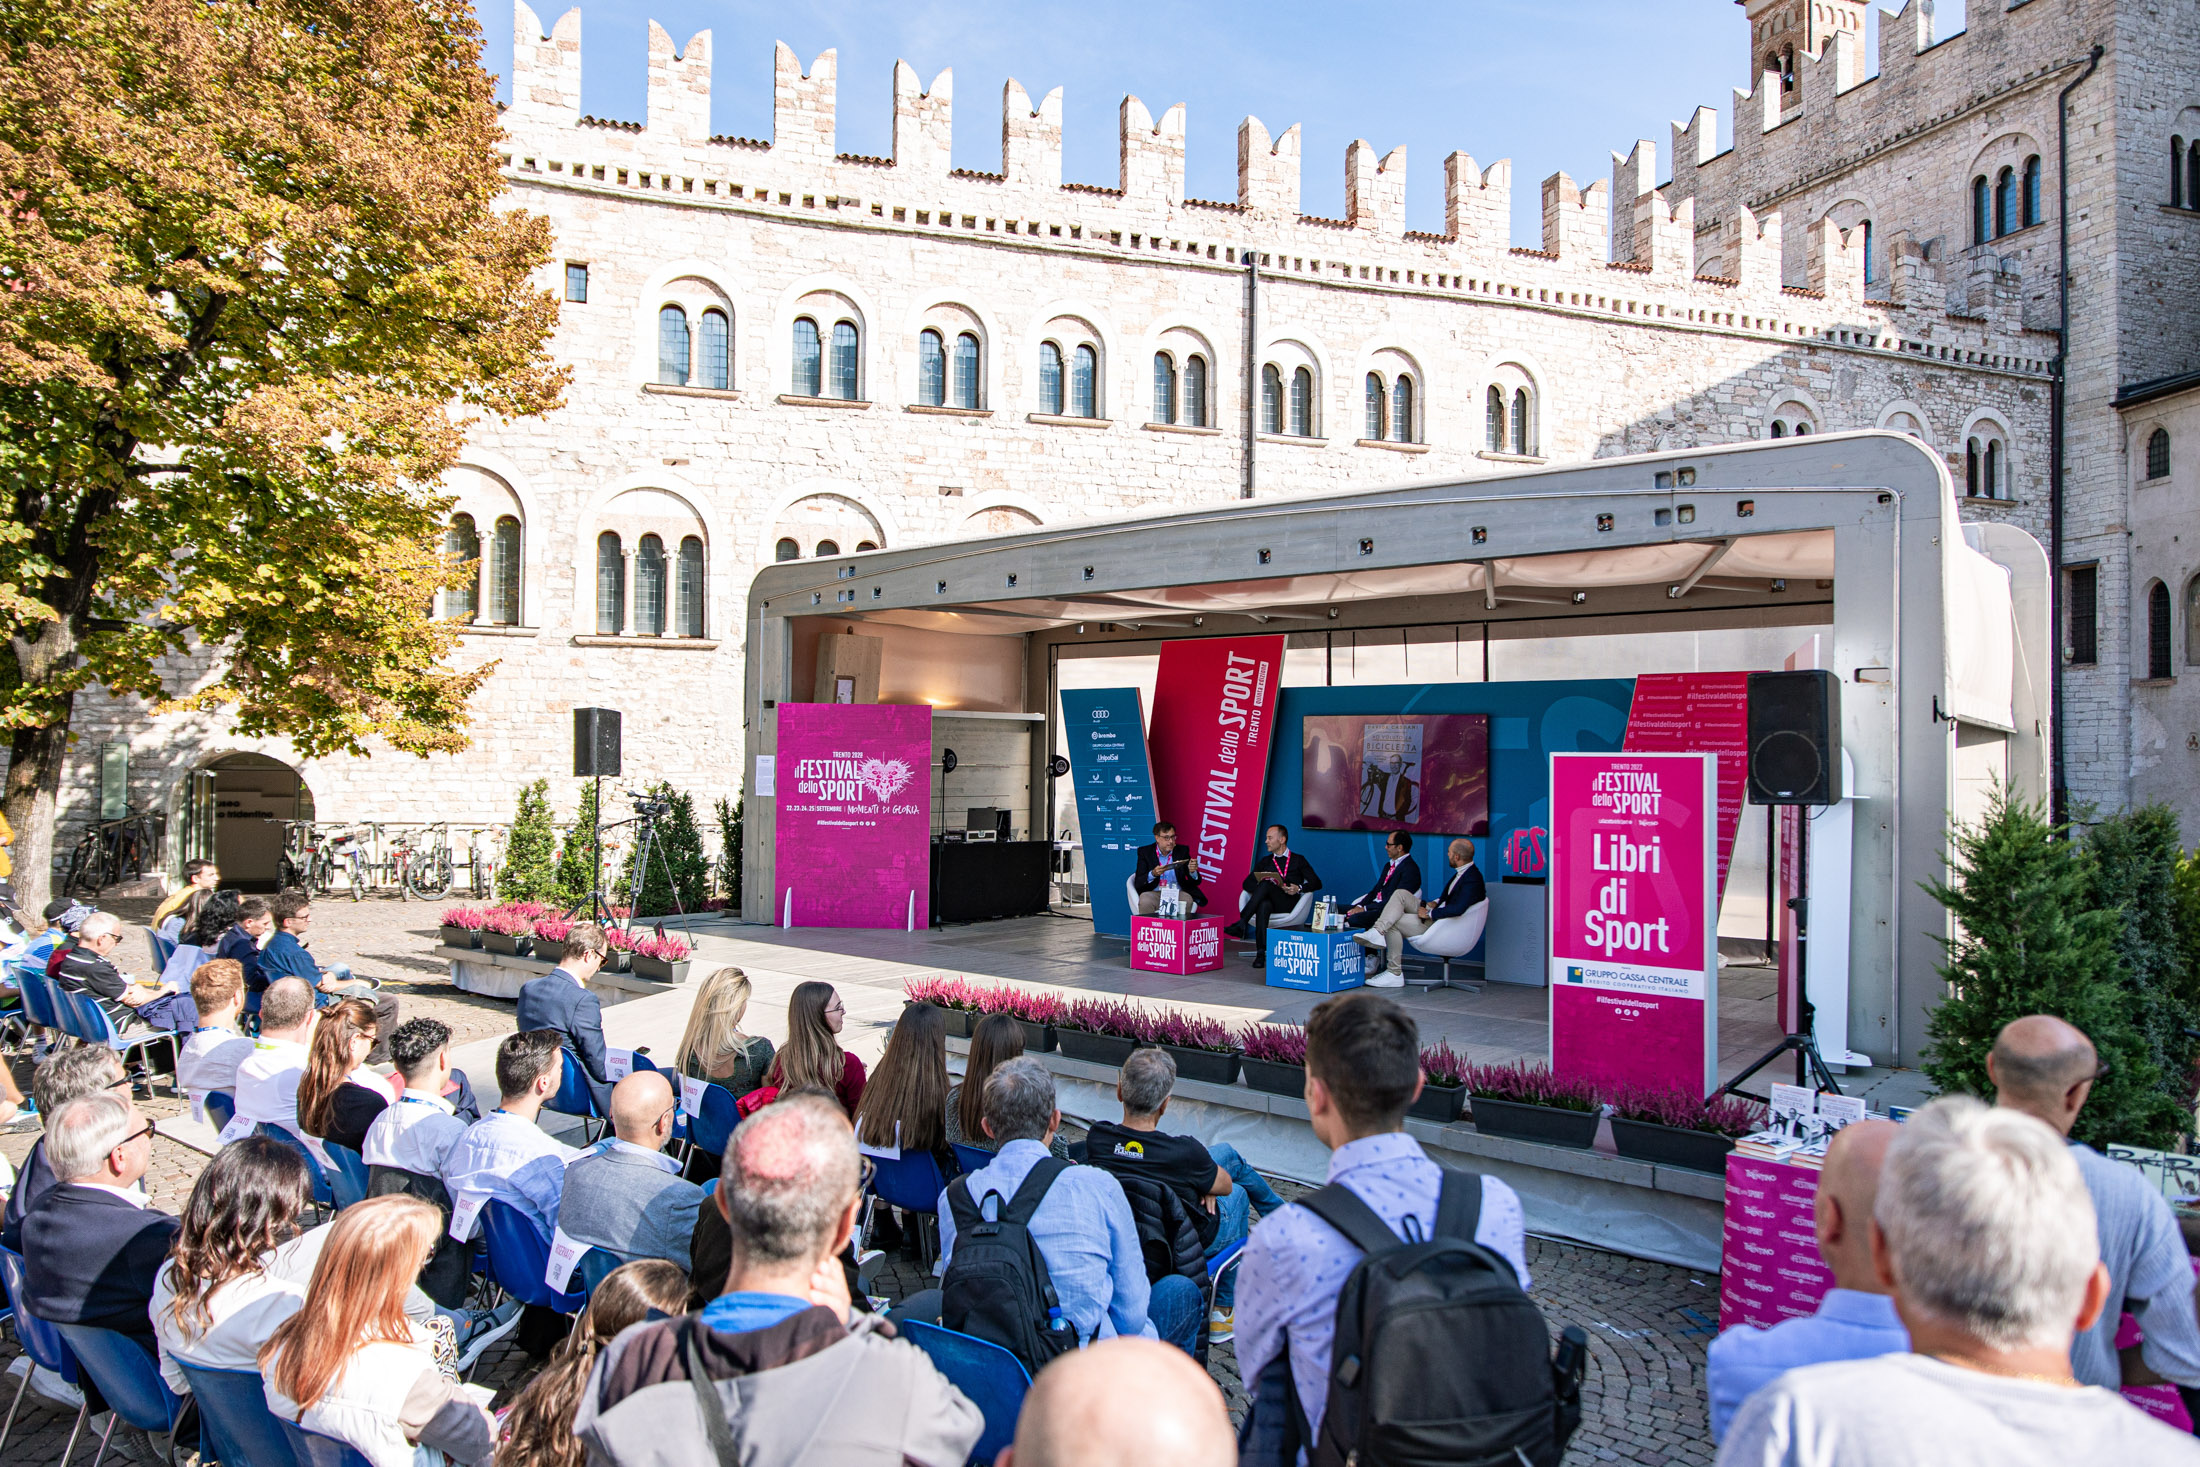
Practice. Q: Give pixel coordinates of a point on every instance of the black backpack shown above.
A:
(1438, 1356)
(997, 1286)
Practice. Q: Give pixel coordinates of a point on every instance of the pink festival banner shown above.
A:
(1634, 919)
(854, 824)
(1214, 715)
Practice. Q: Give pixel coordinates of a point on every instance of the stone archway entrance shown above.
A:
(233, 806)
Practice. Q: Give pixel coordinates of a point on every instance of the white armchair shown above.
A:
(1453, 937)
(1296, 917)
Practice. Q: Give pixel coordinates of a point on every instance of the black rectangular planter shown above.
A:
(1203, 1064)
(461, 937)
(1272, 1078)
(1439, 1103)
(1038, 1038)
(662, 969)
(1546, 1123)
(617, 960)
(1696, 1151)
(1099, 1049)
(507, 944)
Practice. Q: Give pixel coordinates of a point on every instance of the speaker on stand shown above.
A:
(596, 756)
(1795, 759)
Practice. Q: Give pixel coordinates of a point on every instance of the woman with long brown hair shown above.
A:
(812, 1057)
(538, 1430)
(905, 1101)
(233, 1273)
(338, 1096)
(350, 1364)
(996, 1040)
(714, 1048)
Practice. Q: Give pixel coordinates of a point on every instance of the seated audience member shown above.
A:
(560, 1000)
(713, 1047)
(267, 1078)
(2046, 1069)
(234, 1273)
(813, 1057)
(417, 1133)
(86, 965)
(627, 1196)
(1162, 866)
(1218, 1187)
(242, 942)
(339, 1098)
(65, 1075)
(904, 1105)
(1083, 1225)
(1856, 1319)
(286, 957)
(1272, 889)
(1984, 1232)
(1363, 1070)
(538, 1430)
(781, 1338)
(506, 1154)
(211, 1055)
(206, 917)
(200, 876)
(1074, 1416)
(93, 1245)
(994, 1041)
(352, 1365)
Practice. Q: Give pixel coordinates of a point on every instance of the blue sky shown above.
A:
(1551, 84)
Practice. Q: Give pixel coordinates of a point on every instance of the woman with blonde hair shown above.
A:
(714, 1048)
(538, 1430)
(338, 1096)
(350, 1364)
(813, 1058)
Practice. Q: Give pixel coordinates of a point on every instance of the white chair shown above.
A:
(1453, 937)
(1296, 917)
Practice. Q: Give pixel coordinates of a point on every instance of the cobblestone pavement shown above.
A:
(1648, 1324)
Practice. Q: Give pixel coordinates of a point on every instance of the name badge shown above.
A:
(691, 1094)
(565, 1256)
(618, 1064)
(465, 1207)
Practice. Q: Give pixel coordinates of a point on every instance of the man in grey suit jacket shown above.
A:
(627, 1196)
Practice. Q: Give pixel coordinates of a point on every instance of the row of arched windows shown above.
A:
(650, 601)
(463, 601)
(2184, 174)
(703, 358)
(817, 374)
(1509, 428)
(790, 548)
(1287, 413)
(2007, 203)
(944, 379)
(1390, 409)
(1081, 397)
(1180, 396)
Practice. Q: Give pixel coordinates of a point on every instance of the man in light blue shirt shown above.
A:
(1856, 1319)
(507, 1155)
(1083, 1226)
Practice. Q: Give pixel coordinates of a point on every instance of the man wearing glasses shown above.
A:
(2047, 1069)
(626, 1196)
(69, 1074)
(92, 1245)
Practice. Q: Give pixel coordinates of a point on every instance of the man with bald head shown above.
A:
(626, 1196)
(1075, 1415)
(1856, 1319)
(2046, 1068)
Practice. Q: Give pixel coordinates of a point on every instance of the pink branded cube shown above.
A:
(1165, 945)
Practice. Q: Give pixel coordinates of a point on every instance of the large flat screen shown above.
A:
(1423, 772)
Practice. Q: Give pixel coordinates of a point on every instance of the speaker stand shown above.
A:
(1810, 1065)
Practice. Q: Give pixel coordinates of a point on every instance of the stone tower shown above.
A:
(1783, 32)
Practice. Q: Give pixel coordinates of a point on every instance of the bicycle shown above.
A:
(428, 873)
(346, 858)
(109, 852)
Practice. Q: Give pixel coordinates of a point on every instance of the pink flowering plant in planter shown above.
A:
(506, 922)
(1110, 1017)
(1524, 1084)
(462, 919)
(552, 930)
(1174, 1030)
(1443, 1066)
(1718, 1115)
(1275, 1044)
(659, 945)
(945, 993)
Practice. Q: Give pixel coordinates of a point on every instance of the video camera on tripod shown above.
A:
(648, 806)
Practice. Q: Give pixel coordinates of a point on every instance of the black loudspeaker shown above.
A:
(596, 742)
(1794, 738)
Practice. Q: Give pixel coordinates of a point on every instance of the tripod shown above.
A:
(1803, 1042)
(647, 844)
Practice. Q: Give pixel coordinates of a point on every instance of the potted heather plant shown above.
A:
(1272, 1058)
(461, 926)
(954, 998)
(661, 956)
(618, 950)
(1670, 1127)
(1531, 1103)
(1443, 1084)
(1101, 1030)
(1037, 1012)
(550, 934)
(507, 931)
(1200, 1046)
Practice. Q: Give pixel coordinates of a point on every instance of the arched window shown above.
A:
(809, 360)
(714, 356)
(966, 371)
(504, 572)
(462, 598)
(1302, 403)
(1378, 409)
(687, 601)
(931, 369)
(1195, 391)
(1164, 388)
(2177, 173)
(2192, 622)
(2192, 175)
(2005, 202)
(865, 545)
(2032, 189)
(1050, 379)
(1523, 439)
(649, 587)
(1871, 272)
(1802, 430)
(1787, 69)
(1990, 477)
(1972, 463)
(1084, 383)
(2158, 454)
(611, 585)
(1982, 219)
(1496, 415)
(2160, 659)
(1779, 429)
(672, 346)
(786, 549)
(1271, 399)
(1401, 410)
(828, 547)
(844, 360)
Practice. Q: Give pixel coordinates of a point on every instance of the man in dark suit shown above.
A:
(1413, 917)
(1272, 888)
(1155, 865)
(560, 1000)
(92, 1245)
(1399, 882)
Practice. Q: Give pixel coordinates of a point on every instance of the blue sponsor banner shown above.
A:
(1106, 732)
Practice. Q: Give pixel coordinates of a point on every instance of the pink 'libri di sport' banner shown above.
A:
(1214, 715)
(1634, 919)
(1698, 713)
(854, 824)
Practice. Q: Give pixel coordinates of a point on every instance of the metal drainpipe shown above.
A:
(2059, 798)
(1252, 369)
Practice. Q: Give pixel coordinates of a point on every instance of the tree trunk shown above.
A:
(33, 790)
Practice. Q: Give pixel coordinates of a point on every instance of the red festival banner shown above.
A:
(1214, 714)
(1698, 713)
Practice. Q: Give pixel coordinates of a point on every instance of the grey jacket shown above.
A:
(806, 1392)
(624, 1201)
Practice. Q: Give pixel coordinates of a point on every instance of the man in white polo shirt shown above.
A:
(267, 1078)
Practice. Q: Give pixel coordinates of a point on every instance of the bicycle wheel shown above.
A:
(83, 866)
(321, 874)
(358, 883)
(430, 877)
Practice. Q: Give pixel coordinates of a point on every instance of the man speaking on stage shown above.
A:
(1162, 865)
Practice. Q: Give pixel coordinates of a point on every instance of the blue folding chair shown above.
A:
(324, 1195)
(311, 1449)
(517, 1257)
(38, 1004)
(96, 1027)
(234, 1423)
(221, 1108)
(574, 1098)
(42, 1342)
(911, 1183)
(595, 1264)
(164, 946)
(972, 1158)
(128, 1376)
(993, 1379)
(347, 1174)
(712, 1130)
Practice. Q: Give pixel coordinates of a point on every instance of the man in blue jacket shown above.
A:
(560, 1000)
(286, 957)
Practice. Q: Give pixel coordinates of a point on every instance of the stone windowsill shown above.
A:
(946, 412)
(1393, 447)
(2154, 682)
(1512, 458)
(669, 644)
(1980, 501)
(792, 400)
(1183, 428)
(1061, 420)
(488, 629)
(668, 389)
(1294, 440)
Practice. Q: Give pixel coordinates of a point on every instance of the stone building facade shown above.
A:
(780, 348)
